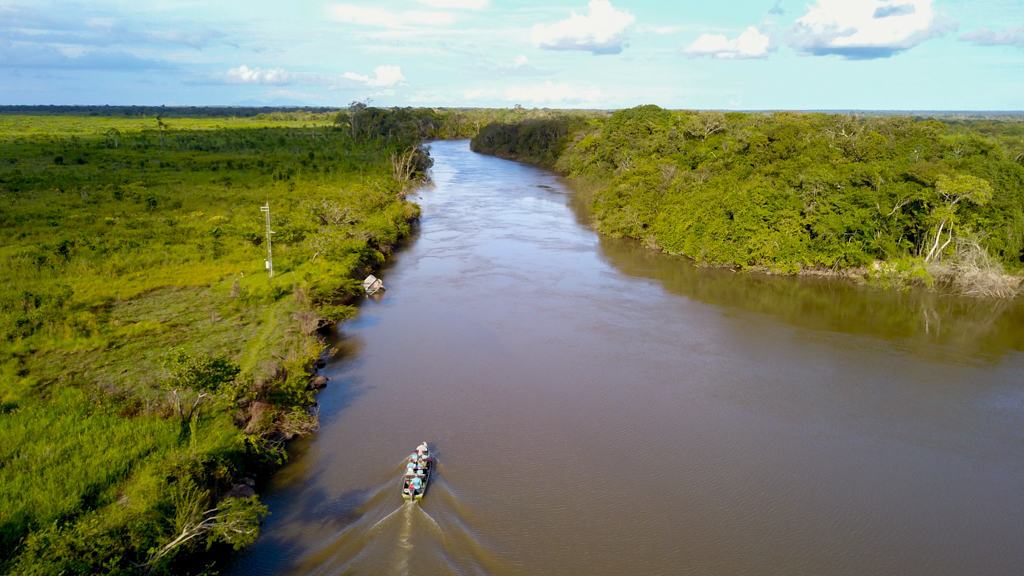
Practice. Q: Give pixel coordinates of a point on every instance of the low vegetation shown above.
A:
(149, 367)
(907, 200)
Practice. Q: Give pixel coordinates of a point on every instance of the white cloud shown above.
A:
(662, 30)
(245, 75)
(865, 28)
(550, 93)
(520, 65)
(1005, 37)
(752, 43)
(382, 18)
(602, 30)
(383, 77)
(457, 4)
(547, 93)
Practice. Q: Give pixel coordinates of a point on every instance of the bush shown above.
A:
(200, 372)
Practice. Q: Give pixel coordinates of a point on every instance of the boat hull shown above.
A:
(423, 490)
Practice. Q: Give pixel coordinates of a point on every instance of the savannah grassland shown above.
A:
(147, 362)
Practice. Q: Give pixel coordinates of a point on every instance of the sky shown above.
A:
(735, 54)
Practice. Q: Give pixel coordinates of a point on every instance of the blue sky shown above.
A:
(740, 54)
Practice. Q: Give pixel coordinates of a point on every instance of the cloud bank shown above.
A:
(245, 75)
(383, 77)
(864, 29)
(602, 30)
(752, 43)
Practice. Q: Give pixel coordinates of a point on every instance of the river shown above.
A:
(598, 408)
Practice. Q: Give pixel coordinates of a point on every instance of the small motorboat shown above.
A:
(418, 468)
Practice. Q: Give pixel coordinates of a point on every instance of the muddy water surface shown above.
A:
(601, 409)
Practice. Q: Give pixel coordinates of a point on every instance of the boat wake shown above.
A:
(387, 536)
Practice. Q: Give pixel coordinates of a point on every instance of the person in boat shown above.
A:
(410, 469)
(415, 485)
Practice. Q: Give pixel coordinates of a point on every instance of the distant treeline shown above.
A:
(901, 198)
(459, 122)
(165, 111)
(417, 124)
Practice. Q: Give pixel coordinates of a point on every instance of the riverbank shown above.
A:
(895, 201)
(816, 427)
(973, 276)
(152, 372)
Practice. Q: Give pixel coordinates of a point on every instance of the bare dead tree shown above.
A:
(231, 524)
(705, 124)
(403, 165)
(900, 203)
(180, 404)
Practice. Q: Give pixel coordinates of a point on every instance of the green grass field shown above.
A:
(133, 257)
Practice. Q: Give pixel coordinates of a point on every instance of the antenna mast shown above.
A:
(270, 253)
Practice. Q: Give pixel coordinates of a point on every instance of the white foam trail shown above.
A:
(397, 510)
(432, 521)
(404, 550)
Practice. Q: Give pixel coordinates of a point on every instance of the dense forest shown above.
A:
(903, 200)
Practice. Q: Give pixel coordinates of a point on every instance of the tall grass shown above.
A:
(124, 243)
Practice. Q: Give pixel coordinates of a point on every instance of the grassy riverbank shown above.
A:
(148, 365)
(895, 199)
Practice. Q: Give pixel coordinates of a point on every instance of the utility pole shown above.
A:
(270, 253)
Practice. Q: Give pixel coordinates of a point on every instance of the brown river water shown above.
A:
(598, 408)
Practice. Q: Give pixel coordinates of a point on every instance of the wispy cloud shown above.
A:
(887, 10)
(383, 18)
(602, 30)
(663, 30)
(546, 93)
(752, 43)
(456, 4)
(866, 28)
(383, 77)
(19, 55)
(103, 29)
(1005, 37)
(520, 61)
(245, 75)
